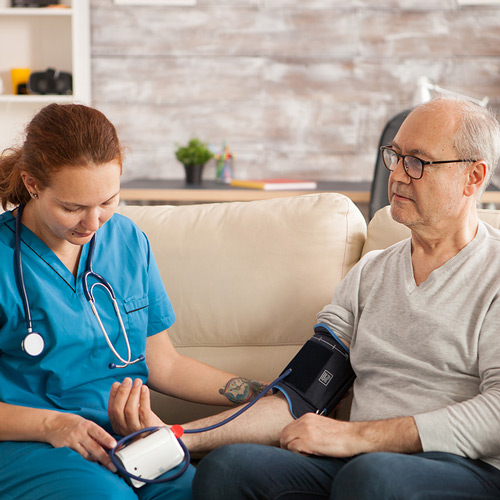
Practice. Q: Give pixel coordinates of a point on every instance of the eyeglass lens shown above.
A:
(413, 166)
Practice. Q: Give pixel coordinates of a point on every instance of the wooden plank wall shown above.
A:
(296, 87)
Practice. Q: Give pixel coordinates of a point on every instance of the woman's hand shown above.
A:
(85, 437)
(129, 407)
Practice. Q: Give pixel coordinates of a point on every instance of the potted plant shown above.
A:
(194, 156)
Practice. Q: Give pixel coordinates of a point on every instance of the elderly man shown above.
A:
(422, 319)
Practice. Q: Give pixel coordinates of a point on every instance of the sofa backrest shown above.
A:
(383, 231)
(247, 279)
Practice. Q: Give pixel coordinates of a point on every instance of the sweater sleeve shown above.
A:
(343, 311)
(471, 428)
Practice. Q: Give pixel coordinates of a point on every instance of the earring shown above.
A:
(34, 195)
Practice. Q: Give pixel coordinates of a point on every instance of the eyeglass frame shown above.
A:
(423, 162)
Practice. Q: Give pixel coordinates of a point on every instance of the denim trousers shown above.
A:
(249, 471)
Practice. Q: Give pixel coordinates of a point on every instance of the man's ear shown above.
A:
(476, 177)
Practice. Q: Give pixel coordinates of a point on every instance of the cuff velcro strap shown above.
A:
(296, 403)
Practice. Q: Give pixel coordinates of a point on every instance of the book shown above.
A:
(273, 184)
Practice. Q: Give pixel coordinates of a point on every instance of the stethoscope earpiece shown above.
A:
(140, 358)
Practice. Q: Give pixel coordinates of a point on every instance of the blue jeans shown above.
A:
(249, 471)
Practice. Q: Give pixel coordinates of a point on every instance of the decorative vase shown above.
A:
(193, 173)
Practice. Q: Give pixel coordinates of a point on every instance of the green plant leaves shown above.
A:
(195, 153)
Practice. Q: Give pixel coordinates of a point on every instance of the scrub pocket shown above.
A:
(136, 319)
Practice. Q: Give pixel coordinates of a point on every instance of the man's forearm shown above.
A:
(318, 435)
(398, 435)
(261, 423)
(264, 422)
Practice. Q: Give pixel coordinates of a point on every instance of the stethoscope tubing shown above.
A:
(35, 339)
(19, 271)
(33, 343)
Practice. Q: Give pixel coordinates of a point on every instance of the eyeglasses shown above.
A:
(414, 167)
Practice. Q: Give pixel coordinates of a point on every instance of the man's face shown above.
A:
(438, 197)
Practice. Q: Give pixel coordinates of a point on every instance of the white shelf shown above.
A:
(35, 99)
(27, 11)
(38, 39)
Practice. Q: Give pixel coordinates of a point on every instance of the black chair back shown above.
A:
(378, 195)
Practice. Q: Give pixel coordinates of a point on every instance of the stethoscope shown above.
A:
(33, 343)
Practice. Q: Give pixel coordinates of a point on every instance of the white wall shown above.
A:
(295, 87)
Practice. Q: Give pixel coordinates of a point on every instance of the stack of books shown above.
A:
(273, 184)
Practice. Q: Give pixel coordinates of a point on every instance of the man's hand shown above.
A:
(85, 437)
(129, 407)
(313, 434)
(317, 435)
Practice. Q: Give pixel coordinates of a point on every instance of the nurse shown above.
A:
(63, 185)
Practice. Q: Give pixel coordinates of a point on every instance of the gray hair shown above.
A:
(478, 135)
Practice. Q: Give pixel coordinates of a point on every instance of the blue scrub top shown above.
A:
(72, 373)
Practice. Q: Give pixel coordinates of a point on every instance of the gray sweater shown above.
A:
(431, 351)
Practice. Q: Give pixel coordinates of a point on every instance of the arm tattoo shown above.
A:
(241, 390)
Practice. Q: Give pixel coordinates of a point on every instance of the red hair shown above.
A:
(60, 135)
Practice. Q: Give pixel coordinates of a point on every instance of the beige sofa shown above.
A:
(247, 279)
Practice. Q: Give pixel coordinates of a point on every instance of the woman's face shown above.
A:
(77, 203)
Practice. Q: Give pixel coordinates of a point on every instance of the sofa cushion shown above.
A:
(247, 279)
(383, 231)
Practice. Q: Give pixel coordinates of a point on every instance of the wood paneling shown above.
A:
(295, 88)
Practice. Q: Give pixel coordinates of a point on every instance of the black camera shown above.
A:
(33, 3)
(50, 82)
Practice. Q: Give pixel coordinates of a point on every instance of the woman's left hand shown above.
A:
(129, 407)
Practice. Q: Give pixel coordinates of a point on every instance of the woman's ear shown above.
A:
(476, 177)
(29, 182)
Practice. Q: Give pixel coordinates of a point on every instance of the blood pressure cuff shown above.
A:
(321, 374)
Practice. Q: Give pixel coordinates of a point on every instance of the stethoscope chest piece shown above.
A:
(33, 344)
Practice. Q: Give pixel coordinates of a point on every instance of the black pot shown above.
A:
(193, 173)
